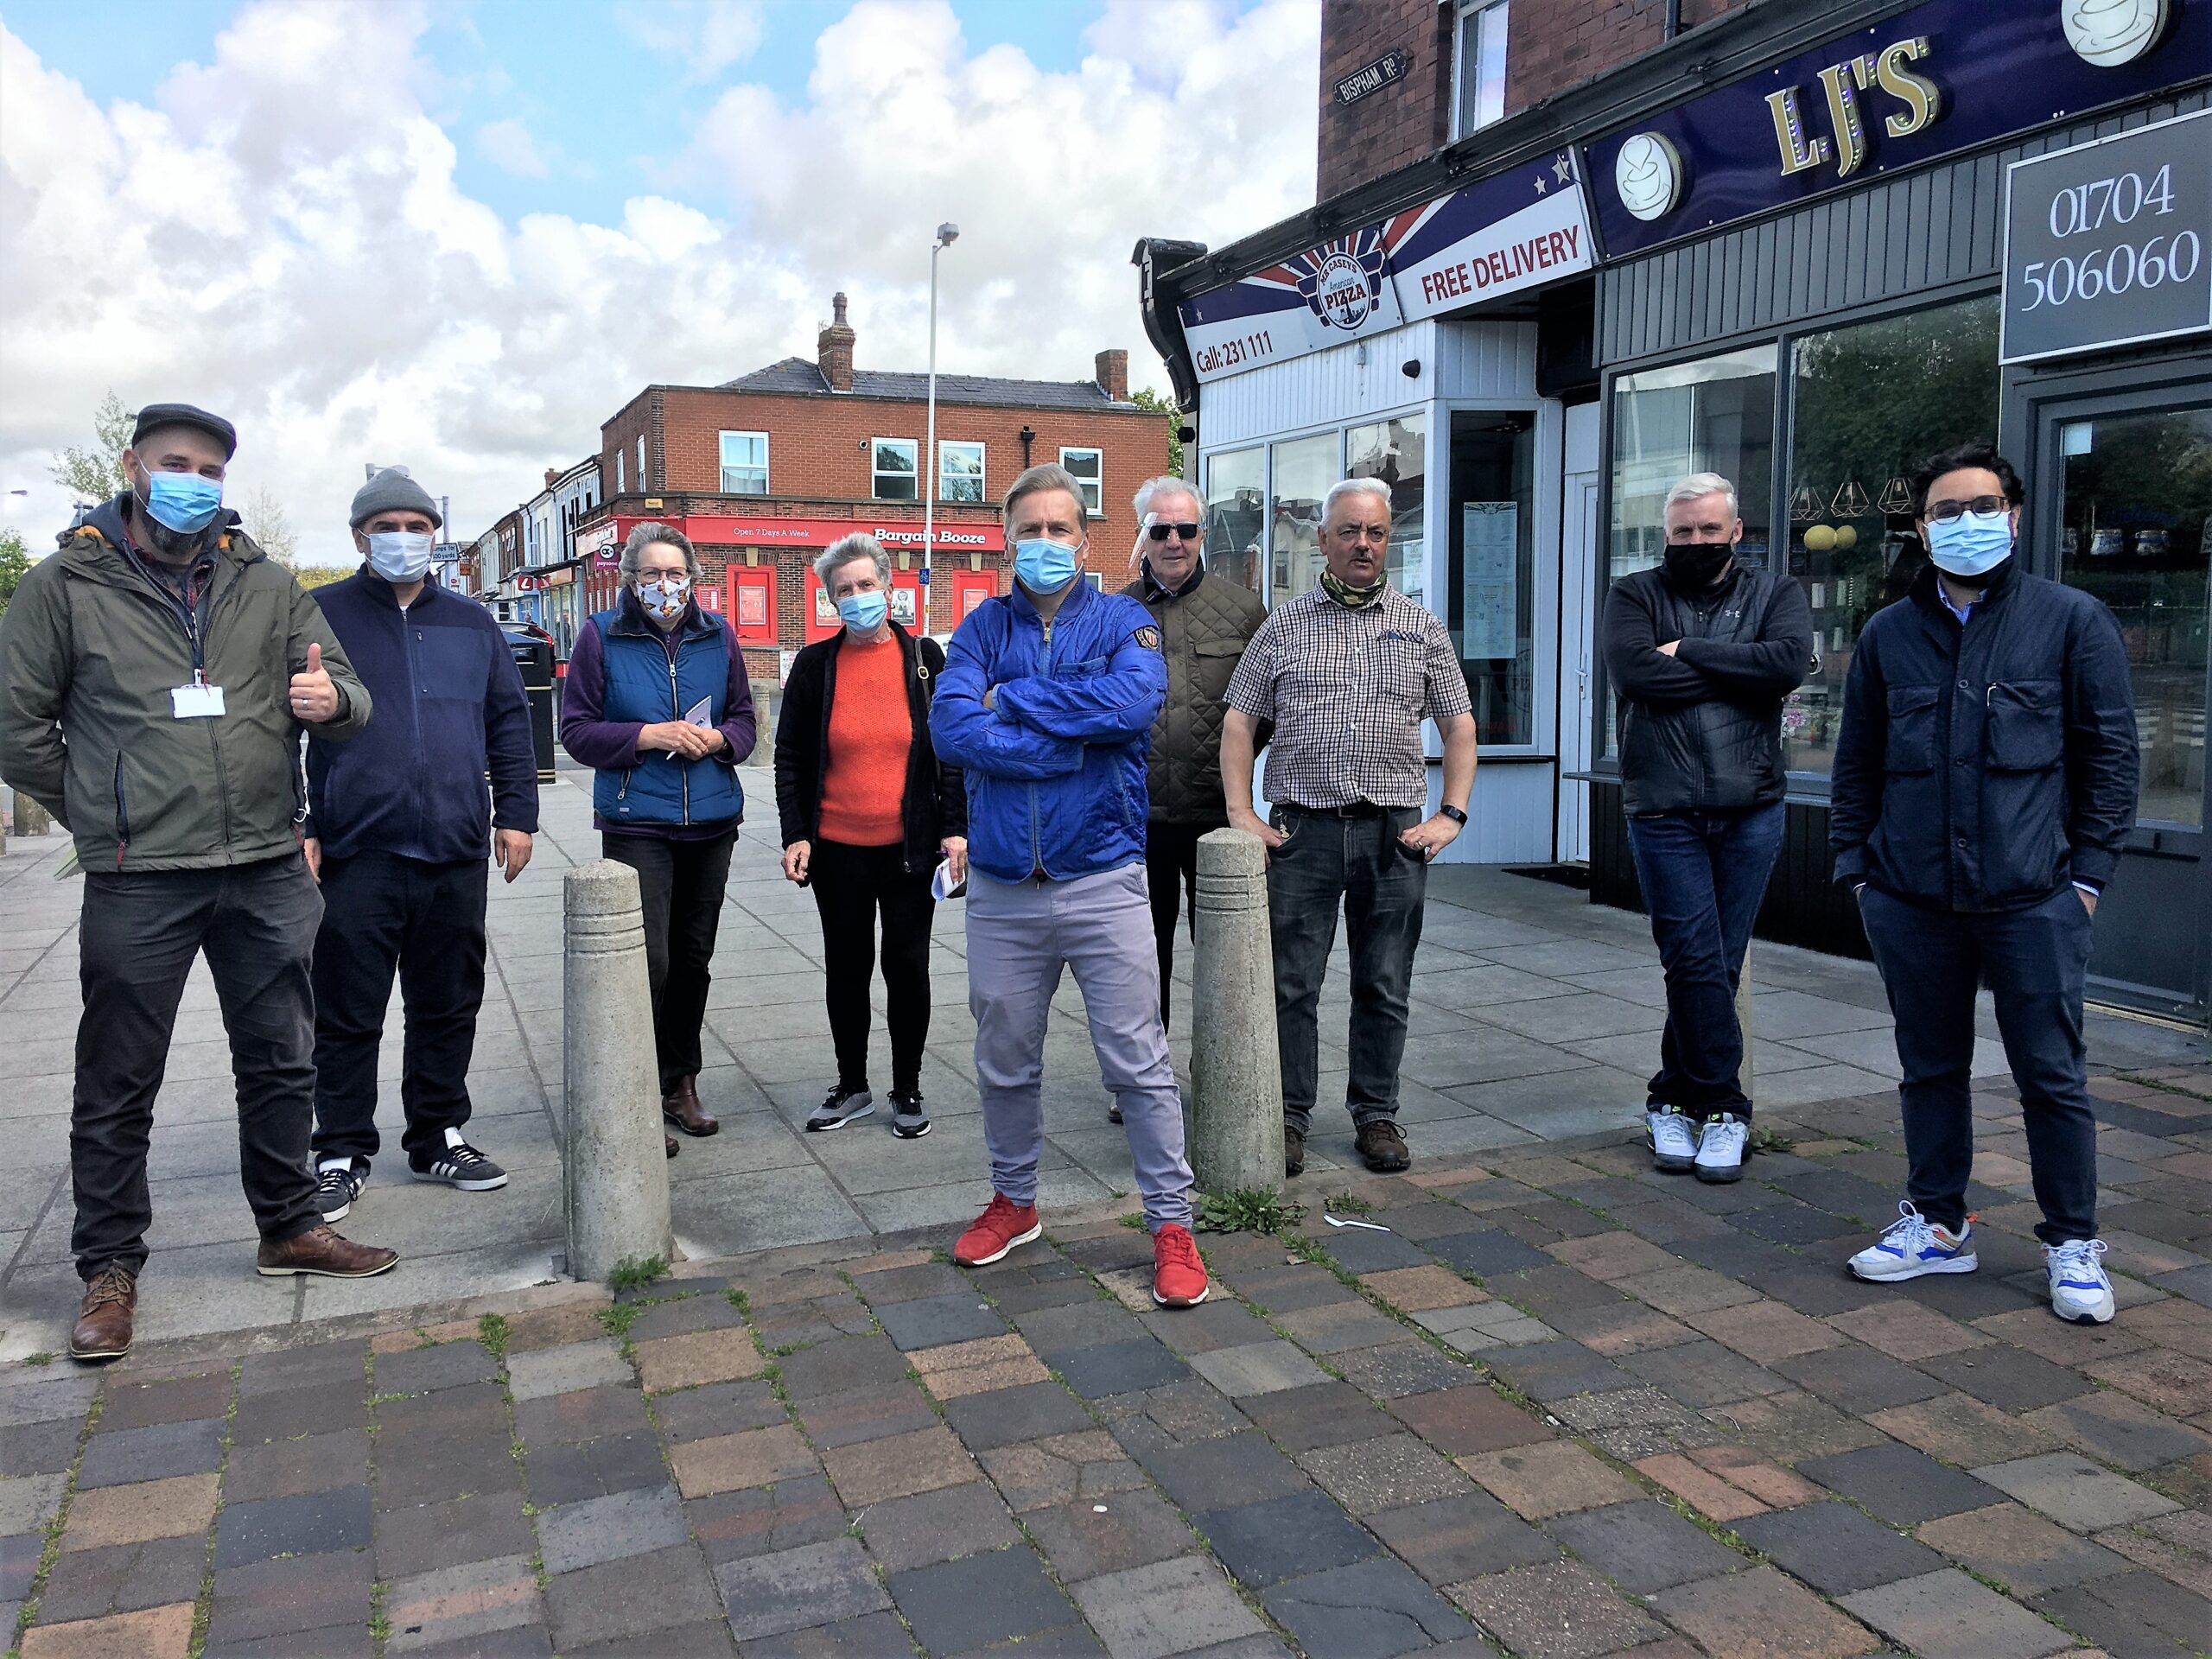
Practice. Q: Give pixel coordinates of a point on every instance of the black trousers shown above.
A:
(851, 885)
(140, 932)
(1171, 866)
(681, 883)
(382, 912)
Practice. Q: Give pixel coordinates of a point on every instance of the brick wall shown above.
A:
(1551, 45)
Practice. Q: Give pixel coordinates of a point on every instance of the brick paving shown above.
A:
(1564, 1407)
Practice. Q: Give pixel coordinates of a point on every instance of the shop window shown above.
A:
(1868, 404)
(745, 463)
(1304, 470)
(1235, 488)
(1712, 416)
(959, 471)
(1489, 598)
(896, 469)
(1479, 65)
(1396, 451)
(1088, 467)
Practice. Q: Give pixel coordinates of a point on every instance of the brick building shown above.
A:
(762, 471)
(1567, 252)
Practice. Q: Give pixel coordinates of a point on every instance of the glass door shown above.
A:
(2133, 498)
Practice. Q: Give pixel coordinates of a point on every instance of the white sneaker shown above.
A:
(1915, 1245)
(1720, 1150)
(2080, 1291)
(1672, 1137)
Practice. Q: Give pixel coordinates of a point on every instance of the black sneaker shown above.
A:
(840, 1108)
(908, 1121)
(337, 1185)
(457, 1164)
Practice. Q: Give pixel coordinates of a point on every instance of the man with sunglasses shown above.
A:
(1983, 787)
(1700, 651)
(1205, 623)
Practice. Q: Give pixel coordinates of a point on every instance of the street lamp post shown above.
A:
(946, 236)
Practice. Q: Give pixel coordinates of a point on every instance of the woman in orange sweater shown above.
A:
(868, 813)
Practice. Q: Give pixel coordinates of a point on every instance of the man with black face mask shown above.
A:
(1701, 652)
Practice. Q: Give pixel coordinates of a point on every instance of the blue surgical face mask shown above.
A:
(183, 502)
(400, 555)
(1970, 546)
(863, 612)
(1044, 567)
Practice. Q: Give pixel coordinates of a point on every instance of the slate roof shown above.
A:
(802, 375)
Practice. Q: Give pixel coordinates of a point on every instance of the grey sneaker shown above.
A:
(840, 1108)
(337, 1183)
(908, 1121)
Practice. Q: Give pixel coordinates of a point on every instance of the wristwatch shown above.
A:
(1454, 814)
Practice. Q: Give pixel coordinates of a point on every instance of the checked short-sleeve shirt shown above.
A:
(1347, 690)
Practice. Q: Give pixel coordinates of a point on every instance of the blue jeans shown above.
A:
(2035, 962)
(1357, 863)
(1703, 874)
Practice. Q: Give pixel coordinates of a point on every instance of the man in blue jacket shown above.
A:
(397, 836)
(1047, 701)
(1984, 786)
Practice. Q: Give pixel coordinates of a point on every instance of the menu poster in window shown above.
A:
(902, 605)
(1490, 597)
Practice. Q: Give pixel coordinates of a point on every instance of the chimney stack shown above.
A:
(1113, 368)
(833, 349)
(552, 472)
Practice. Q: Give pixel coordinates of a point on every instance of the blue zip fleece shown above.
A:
(450, 708)
(1055, 767)
(646, 682)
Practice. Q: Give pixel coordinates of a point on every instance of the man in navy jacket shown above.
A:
(399, 824)
(1983, 789)
(1046, 702)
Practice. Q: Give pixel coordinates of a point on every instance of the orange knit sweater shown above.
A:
(871, 734)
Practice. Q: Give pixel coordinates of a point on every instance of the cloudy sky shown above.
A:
(460, 233)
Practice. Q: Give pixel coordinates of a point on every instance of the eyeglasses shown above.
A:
(1159, 533)
(1943, 513)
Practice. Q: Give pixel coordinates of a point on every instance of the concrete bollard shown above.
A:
(615, 1184)
(31, 818)
(1236, 1134)
(1744, 1079)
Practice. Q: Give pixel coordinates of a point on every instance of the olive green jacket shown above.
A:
(90, 648)
(1203, 632)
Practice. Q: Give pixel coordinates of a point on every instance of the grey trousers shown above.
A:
(1020, 935)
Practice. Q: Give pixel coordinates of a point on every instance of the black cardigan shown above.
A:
(936, 802)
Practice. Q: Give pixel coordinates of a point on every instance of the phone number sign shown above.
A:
(2106, 244)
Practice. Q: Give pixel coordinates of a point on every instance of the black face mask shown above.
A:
(1696, 566)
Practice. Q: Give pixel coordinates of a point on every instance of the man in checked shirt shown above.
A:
(1347, 672)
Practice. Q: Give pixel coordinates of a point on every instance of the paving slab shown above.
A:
(2081, 1495)
(1948, 1616)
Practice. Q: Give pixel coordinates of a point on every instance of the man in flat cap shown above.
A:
(155, 676)
(400, 825)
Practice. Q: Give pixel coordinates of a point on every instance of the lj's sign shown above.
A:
(1946, 76)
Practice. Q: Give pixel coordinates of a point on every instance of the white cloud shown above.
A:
(279, 236)
(707, 37)
(508, 146)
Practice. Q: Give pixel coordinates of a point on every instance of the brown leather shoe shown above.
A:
(1382, 1143)
(103, 1327)
(1293, 1153)
(320, 1250)
(671, 1144)
(680, 1107)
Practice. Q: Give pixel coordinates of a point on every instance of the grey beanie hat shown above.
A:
(392, 491)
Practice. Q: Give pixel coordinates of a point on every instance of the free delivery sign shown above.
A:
(1517, 230)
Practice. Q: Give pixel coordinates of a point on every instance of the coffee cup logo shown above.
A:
(2109, 33)
(1647, 174)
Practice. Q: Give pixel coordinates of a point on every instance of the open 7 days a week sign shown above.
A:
(2105, 243)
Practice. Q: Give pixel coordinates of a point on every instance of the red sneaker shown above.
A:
(998, 1229)
(1178, 1278)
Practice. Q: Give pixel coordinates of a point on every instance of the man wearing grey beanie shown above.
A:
(401, 822)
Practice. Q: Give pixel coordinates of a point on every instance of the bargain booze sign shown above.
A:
(1517, 230)
(716, 529)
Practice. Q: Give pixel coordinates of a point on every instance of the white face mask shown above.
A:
(400, 555)
(665, 597)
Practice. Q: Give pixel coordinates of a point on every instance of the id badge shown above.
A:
(196, 702)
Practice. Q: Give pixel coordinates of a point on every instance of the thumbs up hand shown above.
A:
(314, 699)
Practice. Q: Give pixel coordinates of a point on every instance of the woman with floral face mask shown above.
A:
(657, 703)
(868, 812)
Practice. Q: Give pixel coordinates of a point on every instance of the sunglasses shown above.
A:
(1159, 533)
(1943, 513)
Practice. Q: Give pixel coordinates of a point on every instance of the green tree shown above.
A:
(1147, 398)
(96, 473)
(312, 576)
(14, 564)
